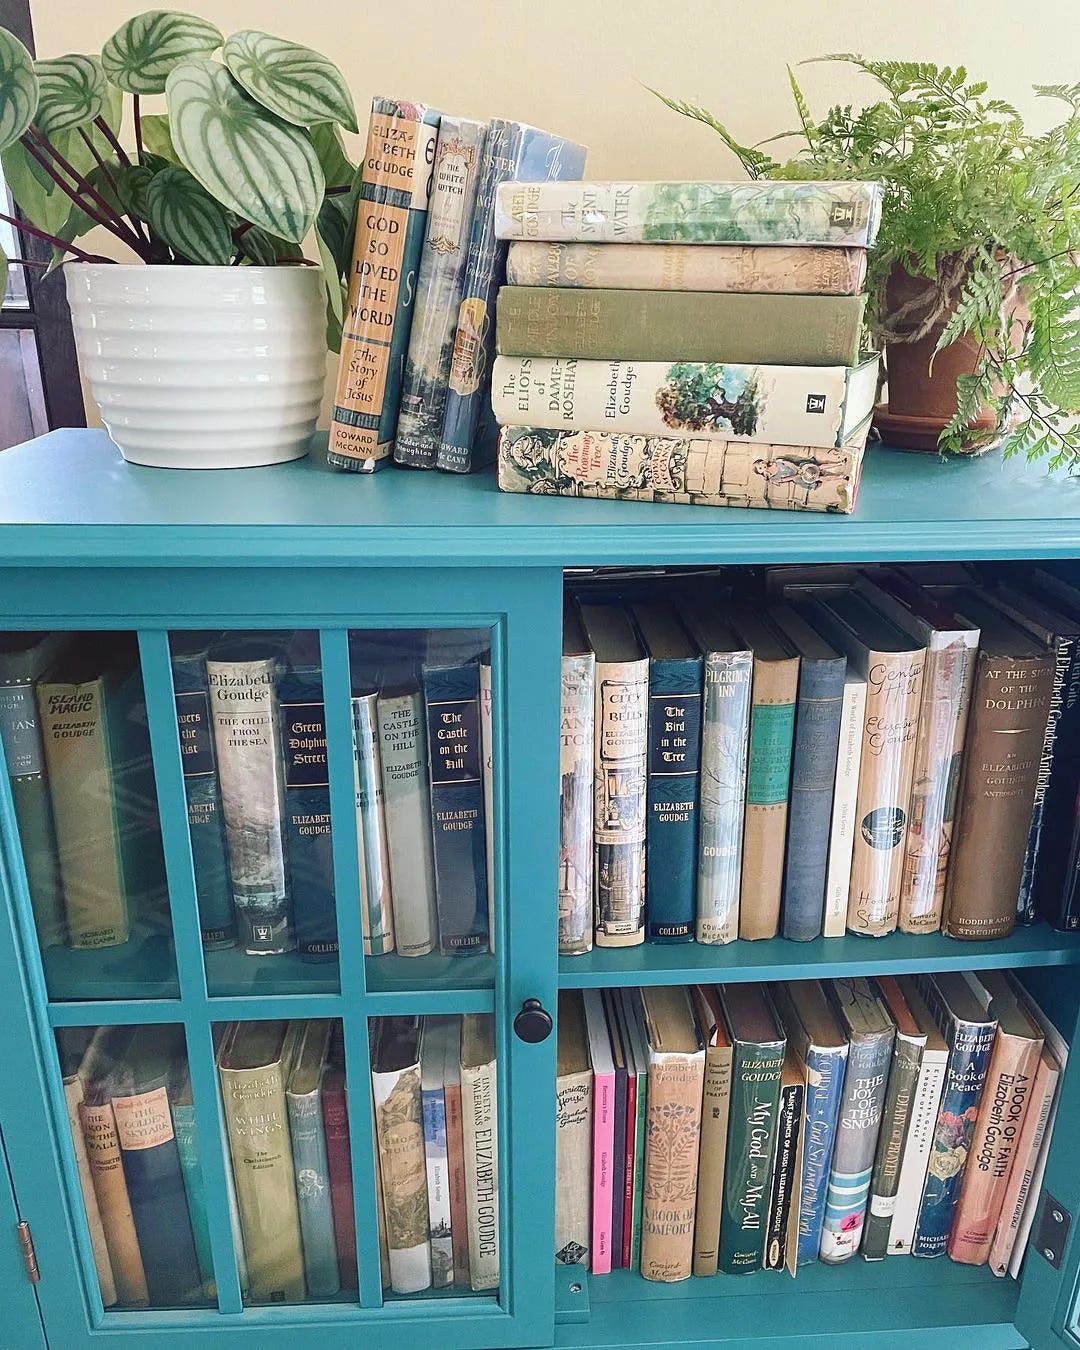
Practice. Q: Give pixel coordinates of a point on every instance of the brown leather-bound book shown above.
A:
(1014, 677)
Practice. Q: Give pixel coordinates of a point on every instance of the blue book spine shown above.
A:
(824, 1089)
(307, 813)
(433, 1109)
(452, 702)
(526, 154)
(1045, 868)
(813, 777)
(183, 1115)
(205, 822)
(671, 846)
(313, 1193)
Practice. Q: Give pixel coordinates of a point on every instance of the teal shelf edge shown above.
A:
(232, 971)
(824, 958)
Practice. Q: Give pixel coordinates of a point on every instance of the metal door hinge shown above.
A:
(26, 1243)
(1052, 1230)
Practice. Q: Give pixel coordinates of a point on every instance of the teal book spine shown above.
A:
(671, 848)
(755, 1113)
(312, 1177)
(183, 1116)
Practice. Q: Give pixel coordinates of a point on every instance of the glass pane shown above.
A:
(15, 296)
(76, 744)
(22, 407)
(287, 1123)
(128, 1095)
(436, 1123)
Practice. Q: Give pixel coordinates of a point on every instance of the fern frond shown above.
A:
(753, 161)
(1065, 93)
(803, 109)
(1054, 347)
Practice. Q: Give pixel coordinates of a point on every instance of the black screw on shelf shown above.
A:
(533, 1023)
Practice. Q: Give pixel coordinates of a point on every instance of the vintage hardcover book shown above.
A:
(822, 671)
(380, 1206)
(73, 1044)
(1013, 683)
(913, 1023)
(24, 658)
(183, 1117)
(438, 1033)
(487, 765)
(241, 677)
(891, 663)
(603, 325)
(220, 1033)
(455, 1149)
(377, 909)
(951, 645)
(674, 774)
(715, 1114)
(390, 225)
(1005, 1101)
(725, 741)
(603, 1128)
(577, 711)
(618, 1147)
(454, 180)
(870, 1030)
(676, 1079)
(619, 775)
(151, 1162)
(206, 822)
(573, 1135)
(969, 1031)
(407, 813)
(399, 1125)
(307, 806)
(511, 150)
(479, 1104)
(845, 800)
(307, 1134)
(814, 1034)
(254, 1064)
(818, 406)
(695, 471)
(335, 1114)
(745, 268)
(772, 727)
(698, 213)
(624, 1240)
(759, 1049)
(786, 1165)
(634, 1019)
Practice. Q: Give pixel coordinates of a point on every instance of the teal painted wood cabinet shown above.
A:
(91, 545)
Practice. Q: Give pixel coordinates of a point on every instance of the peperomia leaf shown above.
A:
(156, 136)
(338, 169)
(189, 220)
(36, 195)
(134, 183)
(264, 250)
(294, 82)
(73, 91)
(18, 89)
(336, 225)
(142, 52)
(252, 162)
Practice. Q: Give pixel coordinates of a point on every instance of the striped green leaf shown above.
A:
(294, 82)
(252, 162)
(187, 218)
(156, 136)
(338, 169)
(264, 250)
(73, 92)
(134, 183)
(142, 52)
(35, 193)
(18, 89)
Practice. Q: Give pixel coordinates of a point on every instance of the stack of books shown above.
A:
(742, 1127)
(685, 342)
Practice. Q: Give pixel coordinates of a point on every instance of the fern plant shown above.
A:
(986, 211)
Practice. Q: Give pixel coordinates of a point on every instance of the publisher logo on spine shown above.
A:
(815, 403)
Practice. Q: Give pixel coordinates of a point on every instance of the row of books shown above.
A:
(742, 1127)
(690, 342)
(807, 753)
(252, 732)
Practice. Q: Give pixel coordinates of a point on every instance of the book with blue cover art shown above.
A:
(308, 1137)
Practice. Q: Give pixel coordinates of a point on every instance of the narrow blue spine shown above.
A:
(673, 788)
(313, 1193)
(824, 1090)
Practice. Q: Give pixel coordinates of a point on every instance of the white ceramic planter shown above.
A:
(202, 367)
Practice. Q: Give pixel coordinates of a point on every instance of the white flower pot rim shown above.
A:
(247, 268)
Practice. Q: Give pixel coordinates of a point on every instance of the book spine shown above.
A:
(629, 1172)
(573, 1167)
(1062, 652)
(618, 1149)
(487, 754)
(399, 1123)
(639, 1168)
(784, 1180)
(247, 736)
(603, 1165)
(755, 1109)
(604, 325)
(481, 1128)
(1009, 713)
(114, 1203)
(382, 283)
(813, 780)
(694, 472)
(455, 1145)
(899, 1101)
(845, 794)
(454, 182)
(407, 812)
(384, 1251)
(313, 1193)
(920, 1139)
(307, 820)
(671, 1165)
(685, 267)
(824, 1089)
(772, 725)
(440, 1233)
(195, 1189)
(696, 213)
(725, 738)
(715, 1112)
(619, 779)
(674, 772)
(1060, 808)
(576, 805)
(1018, 1189)
(73, 1097)
(452, 699)
(761, 404)
(511, 150)
(24, 755)
(371, 830)
(335, 1110)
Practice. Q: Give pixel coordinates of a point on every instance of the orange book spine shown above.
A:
(455, 1151)
(114, 1204)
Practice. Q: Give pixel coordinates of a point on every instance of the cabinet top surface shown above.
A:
(70, 498)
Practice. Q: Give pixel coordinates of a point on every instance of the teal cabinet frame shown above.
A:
(21, 1315)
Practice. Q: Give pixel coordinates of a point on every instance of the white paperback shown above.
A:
(845, 792)
(374, 854)
(920, 1140)
(407, 810)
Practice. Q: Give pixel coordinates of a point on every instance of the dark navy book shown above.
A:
(674, 775)
(813, 774)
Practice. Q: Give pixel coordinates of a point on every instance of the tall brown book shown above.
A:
(1014, 676)
(716, 1108)
(573, 1134)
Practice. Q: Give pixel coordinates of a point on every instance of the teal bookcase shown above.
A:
(88, 543)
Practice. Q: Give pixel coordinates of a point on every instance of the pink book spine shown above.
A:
(1027, 1152)
(603, 1148)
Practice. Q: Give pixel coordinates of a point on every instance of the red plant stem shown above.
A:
(111, 220)
(26, 262)
(138, 126)
(70, 191)
(89, 143)
(107, 132)
(338, 191)
(27, 228)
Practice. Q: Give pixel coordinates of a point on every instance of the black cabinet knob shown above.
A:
(533, 1023)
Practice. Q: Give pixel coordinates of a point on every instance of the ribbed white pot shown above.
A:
(202, 367)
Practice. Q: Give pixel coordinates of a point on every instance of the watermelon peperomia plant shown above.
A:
(244, 161)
